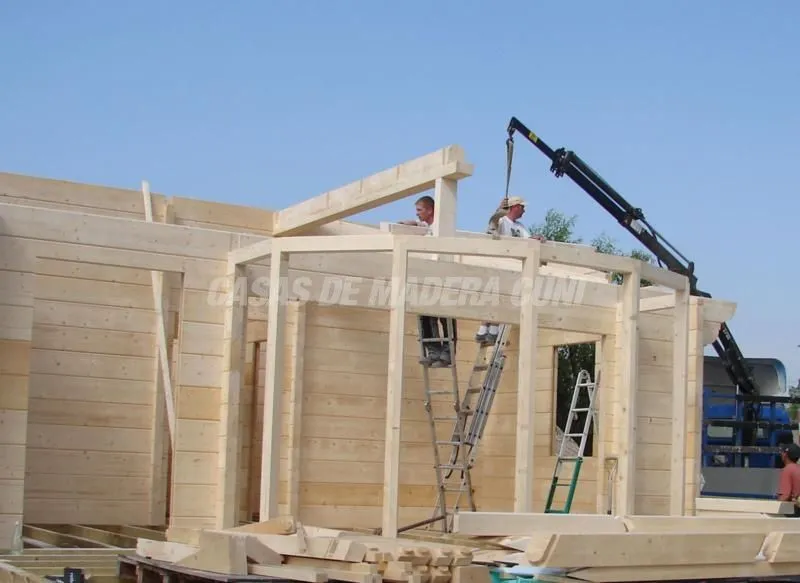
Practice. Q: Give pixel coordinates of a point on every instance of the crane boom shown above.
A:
(565, 162)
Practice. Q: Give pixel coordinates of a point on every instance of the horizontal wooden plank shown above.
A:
(59, 362)
(64, 437)
(13, 425)
(71, 487)
(83, 414)
(93, 340)
(91, 390)
(88, 463)
(100, 317)
(117, 233)
(46, 511)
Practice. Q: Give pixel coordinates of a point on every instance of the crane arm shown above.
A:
(568, 163)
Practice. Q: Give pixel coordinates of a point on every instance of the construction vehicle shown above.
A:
(722, 444)
(754, 428)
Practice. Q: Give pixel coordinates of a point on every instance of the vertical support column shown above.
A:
(680, 386)
(628, 362)
(233, 370)
(526, 384)
(296, 407)
(16, 336)
(273, 387)
(394, 392)
(694, 405)
(444, 224)
(445, 194)
(603, 376)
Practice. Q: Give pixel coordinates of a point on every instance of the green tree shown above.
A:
(557, 226)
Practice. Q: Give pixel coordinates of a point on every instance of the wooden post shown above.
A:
(296, 407)
(394, 392)
(628, 362)
(604, 378)
(680, 386)
(235, 327)
(524, 474)
(446, 196)
(273, 389)
(694, 428)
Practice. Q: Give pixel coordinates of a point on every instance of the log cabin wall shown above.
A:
(80, 440)
(338, 481)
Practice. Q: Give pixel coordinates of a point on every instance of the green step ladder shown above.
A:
(575, 459)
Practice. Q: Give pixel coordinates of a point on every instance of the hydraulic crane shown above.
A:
(565, 162)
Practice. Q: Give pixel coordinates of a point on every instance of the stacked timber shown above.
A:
(600, 548)
(287, 550)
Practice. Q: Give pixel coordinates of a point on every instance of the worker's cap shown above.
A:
(515, 200)
(792, 450)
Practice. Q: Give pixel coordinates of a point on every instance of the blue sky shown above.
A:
(689, 109)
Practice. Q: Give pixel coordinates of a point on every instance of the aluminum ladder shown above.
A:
(470, 412)
(565, 458)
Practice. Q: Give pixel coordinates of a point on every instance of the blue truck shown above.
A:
(742, 434)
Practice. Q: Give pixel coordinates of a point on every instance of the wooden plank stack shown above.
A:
(284, 549)
(644, 548)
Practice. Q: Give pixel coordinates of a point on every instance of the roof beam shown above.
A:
(395, 183)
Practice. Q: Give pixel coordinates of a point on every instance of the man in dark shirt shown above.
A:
(789, 482)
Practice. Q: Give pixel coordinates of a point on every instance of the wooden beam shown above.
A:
(446, 201)
(551, 289)
(43, 224)
(656, 303)
(504, 247)
(524, 475)
(344, 228)
(604, 450)
(680, 388)
(394, 395)
(97, 255)
(230, 426)
(574, 551)
(456, 301)
(315, 244)
(164, 398)
(710, 524)
(273, 390)
(585, 256)
(157, 282)
(398, 182)
(296, 407)
(661, 276)
(251, 253)
(527, 523)
(628, 374)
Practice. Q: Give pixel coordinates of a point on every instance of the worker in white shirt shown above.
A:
(424, 208)
(505, 222)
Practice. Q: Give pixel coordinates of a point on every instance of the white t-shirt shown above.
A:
(508, 228)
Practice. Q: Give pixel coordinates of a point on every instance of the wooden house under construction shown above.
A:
(170, 361)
